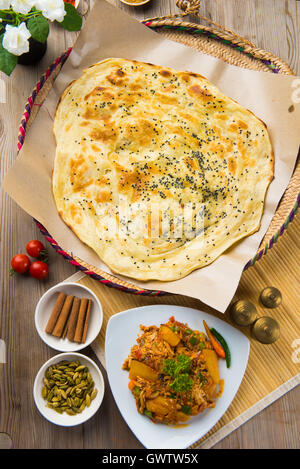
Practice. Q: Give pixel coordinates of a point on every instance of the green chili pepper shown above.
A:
(224, 344)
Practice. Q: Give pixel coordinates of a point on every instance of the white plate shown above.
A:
(44, 309)
(64, 419)
(121, 335)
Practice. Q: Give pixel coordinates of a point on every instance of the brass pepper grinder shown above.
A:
(270, 297)
(266, 330)
(243, 313)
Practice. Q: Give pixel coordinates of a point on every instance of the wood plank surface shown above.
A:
(272, 25)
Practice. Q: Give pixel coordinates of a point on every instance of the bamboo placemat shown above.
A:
(273, 369)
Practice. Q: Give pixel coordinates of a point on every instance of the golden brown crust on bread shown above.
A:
(191, 165)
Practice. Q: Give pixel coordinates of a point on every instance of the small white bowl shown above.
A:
(64, 419)
(44, 308)
(142, 2)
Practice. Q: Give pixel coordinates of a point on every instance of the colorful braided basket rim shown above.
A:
(21, 137)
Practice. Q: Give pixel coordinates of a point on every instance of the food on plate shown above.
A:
(224, 344)
(172, 380)
(156, 169)
(69, 317)
(20, 263)
(217, 347)
(68, 387)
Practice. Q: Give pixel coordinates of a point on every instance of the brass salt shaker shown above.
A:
(243, 313)
(271, 297)
(266, 330)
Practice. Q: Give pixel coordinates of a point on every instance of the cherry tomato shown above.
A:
(34, 248)
(39, 270)
(20, 263)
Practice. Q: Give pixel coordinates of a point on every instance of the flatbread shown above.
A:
(156, 169)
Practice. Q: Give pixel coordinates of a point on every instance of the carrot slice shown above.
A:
(132, 384)
(217, 347)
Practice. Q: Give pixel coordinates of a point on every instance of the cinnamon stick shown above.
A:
(66, 327)
(64, 314)
(80, 320)
(55, 312)
(73, 319)
(86, 321)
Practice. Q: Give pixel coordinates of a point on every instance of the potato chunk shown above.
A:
(212, 364)
(169, 336)
(158, 406)
(142, 370)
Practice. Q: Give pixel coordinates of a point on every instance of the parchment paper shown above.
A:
(109, 32)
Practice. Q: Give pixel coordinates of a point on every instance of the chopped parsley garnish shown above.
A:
(182, 383)
(174, 367)
(179, 370)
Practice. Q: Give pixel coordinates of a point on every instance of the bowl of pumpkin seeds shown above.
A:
(68, 389)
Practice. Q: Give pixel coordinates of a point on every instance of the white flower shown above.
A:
(53, 10)
(15, 39)
(4, 4)
(22, 6)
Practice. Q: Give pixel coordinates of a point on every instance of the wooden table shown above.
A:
(273, 25)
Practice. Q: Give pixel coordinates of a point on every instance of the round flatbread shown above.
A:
(156, 169)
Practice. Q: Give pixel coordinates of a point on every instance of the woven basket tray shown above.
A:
(215, 41)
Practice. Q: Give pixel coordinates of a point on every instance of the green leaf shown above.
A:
(8, 61)
(39, 28)
(72, 20)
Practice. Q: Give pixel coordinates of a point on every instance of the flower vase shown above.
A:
(36, 51)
